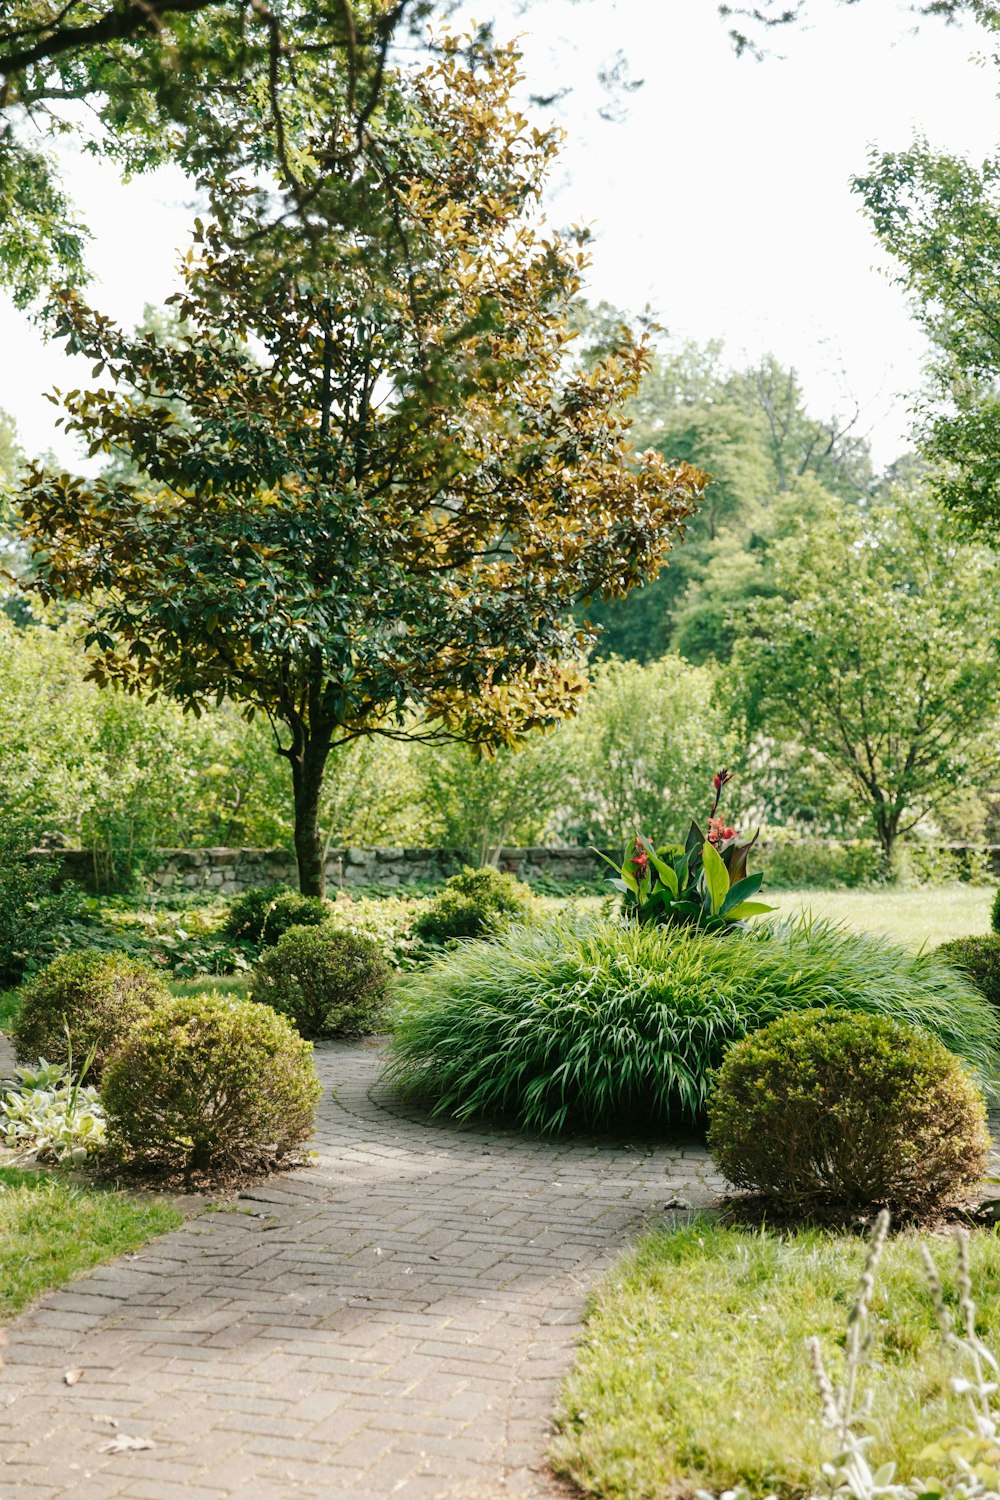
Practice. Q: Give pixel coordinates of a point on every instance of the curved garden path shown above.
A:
(391, 1321)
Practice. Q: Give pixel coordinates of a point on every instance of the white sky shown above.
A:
(723, 199)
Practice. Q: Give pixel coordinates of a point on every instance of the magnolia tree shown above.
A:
(362, 490)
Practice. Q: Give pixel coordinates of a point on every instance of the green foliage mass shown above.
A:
(979, 959)
(833, 1110)
(262, 915)
(772, 463)
(474, 902)
(995, 913)
(880, 654)
(208, 1086)
(572, 1023)
(327, 980)
(937, 215)
(641, 754)
(99, 998)
(33, 911)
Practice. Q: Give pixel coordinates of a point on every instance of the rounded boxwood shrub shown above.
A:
(98, 996)
(212, 1086)
(260, 916)
(979, 959)
(995, 913)
(831, 1109)
(329, 981)
(475, 902)
(601, 1023)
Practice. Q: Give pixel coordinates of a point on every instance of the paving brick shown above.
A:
(392, 1322)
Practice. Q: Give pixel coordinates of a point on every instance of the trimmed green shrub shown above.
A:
(328, 981)
(979, 959)
(995, 913)
(599, 1023)
(99, 996)
(211, 1086)
(260, 916)
(829, 1109)
(475, 902)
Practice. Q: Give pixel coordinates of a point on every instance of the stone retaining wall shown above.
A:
(232, 870)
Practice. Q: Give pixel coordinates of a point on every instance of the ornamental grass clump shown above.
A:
(597, 1022)
(84, 1005)
(211, 1087)
(832, 1110)
(326, 980)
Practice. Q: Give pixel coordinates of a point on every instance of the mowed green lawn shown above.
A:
(929, 914)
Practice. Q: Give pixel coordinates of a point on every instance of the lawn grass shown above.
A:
(51, 1230)
(928, 914)
(693, 1373)
(219, 984)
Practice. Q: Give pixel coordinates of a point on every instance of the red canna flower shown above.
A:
(641, 861)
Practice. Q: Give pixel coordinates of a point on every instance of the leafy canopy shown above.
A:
(880, 655)
(362, 480)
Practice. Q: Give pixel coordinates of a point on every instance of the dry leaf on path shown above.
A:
(125, 1443)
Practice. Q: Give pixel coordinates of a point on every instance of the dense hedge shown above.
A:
(979, 959)
(328, 981)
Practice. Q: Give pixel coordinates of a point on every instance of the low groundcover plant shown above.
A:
(46, 1113)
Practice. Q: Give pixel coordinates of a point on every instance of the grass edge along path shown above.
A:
(693, 1372)
(52, 1229)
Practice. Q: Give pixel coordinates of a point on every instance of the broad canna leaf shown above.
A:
(749, 909)
(716, 877)
(742, 891)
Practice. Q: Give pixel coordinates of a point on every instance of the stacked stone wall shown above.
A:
(231, 870)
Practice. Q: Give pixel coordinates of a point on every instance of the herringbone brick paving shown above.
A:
(391, 1321)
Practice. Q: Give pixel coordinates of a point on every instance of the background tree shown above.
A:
(643, 750)
(391, 506)
(939, 215)
(771, 462)
(880, 657)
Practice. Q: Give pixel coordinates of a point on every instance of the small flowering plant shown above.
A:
(704, 884)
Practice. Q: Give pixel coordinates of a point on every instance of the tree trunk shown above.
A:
(307, 784)
(887, 828)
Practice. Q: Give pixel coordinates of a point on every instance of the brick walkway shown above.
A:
(392, 1321)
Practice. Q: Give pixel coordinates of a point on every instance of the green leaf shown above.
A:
(748, 909)
(666, 874)
(742, 891)
(716, 877)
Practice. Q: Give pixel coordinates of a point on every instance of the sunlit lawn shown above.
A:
(930, 914)
(52, 1229)
(693, 1374)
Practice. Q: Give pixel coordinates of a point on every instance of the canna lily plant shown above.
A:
(702, 884)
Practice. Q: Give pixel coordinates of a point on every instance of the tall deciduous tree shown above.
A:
(881, 659)
(370, 487)
(939, 215)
